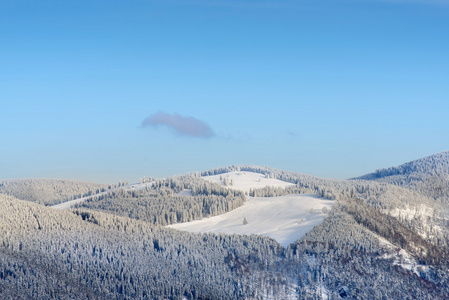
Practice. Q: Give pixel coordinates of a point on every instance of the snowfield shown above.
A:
(284, 218)
(245, 181)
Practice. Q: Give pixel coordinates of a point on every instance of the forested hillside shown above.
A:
(429, 175)
(49, 191)
(52, 254)
(163, 203)
(377, 235)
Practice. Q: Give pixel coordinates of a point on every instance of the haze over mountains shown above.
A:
(382, 235)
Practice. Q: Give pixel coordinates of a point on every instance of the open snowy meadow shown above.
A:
(283, 218)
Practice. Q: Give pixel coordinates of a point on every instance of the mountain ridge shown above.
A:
(437, 163)
(428, 175)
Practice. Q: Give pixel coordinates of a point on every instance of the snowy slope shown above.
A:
(68, 204)
(284, 218)
(245, 181)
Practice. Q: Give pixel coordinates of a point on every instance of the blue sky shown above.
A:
(105, 90)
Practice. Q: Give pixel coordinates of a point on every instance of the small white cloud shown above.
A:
(186, 126)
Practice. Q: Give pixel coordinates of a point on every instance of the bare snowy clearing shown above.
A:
(245, 181)
(401, 257)
(284, 218)
(185, 192)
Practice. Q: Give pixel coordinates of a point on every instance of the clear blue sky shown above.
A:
(330, 88)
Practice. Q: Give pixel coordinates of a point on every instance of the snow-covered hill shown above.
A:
(428, 175)
(49, 191)
(115, 245)
(285, 218)
(436, 164)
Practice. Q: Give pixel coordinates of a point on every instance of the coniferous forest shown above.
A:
(386, 237)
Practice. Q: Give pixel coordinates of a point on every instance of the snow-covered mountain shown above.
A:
(428, 175)
(376, 232)
(437, 164)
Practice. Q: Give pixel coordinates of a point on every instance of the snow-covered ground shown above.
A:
(401, 257)
(423, 214)
(185, 192)
(245, 181)
(411, 213)
(68, 204)
(284, 218)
